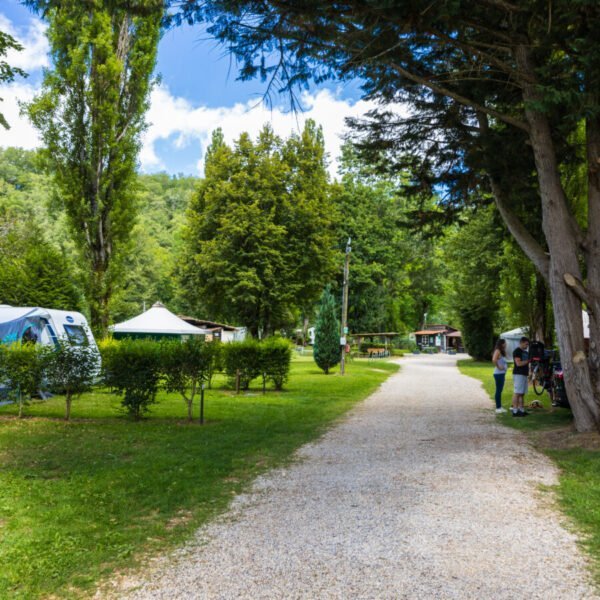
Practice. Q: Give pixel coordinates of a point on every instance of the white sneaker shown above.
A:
(500, 410)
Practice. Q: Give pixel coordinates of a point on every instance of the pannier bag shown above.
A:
(536, 351)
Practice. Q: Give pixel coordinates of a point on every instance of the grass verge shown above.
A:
(80, 500)
(577, 455)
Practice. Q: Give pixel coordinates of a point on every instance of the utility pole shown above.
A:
(344, 325)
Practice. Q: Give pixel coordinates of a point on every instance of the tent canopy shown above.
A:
(158, 320)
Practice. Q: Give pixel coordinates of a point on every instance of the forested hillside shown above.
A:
(190, 246)
(39, 262)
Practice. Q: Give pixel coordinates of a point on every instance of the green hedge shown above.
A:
(276, 358)
(132, 368)
(270, 359)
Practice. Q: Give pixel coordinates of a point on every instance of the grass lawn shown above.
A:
(577, 455)
(80, 500)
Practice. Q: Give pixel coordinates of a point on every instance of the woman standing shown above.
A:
(500, 366)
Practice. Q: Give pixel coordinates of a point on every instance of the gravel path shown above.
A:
(417, 494)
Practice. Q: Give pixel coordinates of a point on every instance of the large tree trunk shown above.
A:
(100, 294)
(562, 237)
(592, 244)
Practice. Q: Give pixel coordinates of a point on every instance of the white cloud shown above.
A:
(21, 132)
(176, 123)
(181, 123)
(34, 41)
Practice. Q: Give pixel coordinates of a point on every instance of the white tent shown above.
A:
(513, 336)
(158, 321)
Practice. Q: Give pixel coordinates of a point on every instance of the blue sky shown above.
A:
(198, 92)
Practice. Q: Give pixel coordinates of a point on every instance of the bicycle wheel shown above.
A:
(538, 380)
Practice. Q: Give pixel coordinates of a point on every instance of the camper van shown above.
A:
(44, 325)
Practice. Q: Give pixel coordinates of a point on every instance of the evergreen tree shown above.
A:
(33, 272)
(90, 114)
(326, 349)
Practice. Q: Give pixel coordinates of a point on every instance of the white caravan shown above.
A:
(44, 325)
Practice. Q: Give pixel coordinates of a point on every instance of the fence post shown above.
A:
(202, 405)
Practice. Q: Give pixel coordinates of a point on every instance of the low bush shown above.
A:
(405, 344)
(244, 357)
(185, 366)
(398, 352)
(275, 360)
(22, 370)
(215, 363)
(70, 370)
(132, 368)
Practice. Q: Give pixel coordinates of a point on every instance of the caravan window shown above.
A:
(76, 335)
(48, 334)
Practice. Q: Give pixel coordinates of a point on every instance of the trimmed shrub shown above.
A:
(214, 352)
(70, 370)
(132, 368)
(406, 344)
(276, 360)
(326, 349)
(185, 366)
(22, 369)
(107, 347)
(243, 356)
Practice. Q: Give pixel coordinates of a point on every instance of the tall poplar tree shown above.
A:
(90, 114)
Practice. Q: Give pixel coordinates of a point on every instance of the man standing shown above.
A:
(520, 377)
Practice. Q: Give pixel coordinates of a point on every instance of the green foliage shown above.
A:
(258, 241)
(406, 344)
(214, 351)
(326, 349)
(244, 357)
(31, 216)
(186, 366)
(70, 370)
(32, 271)
(474, 256)
(7, 72)
(394, 271)
(132, 368)
(276, 358)
(22, 370)
(477, 329)
(150, 263)
(90, 115)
